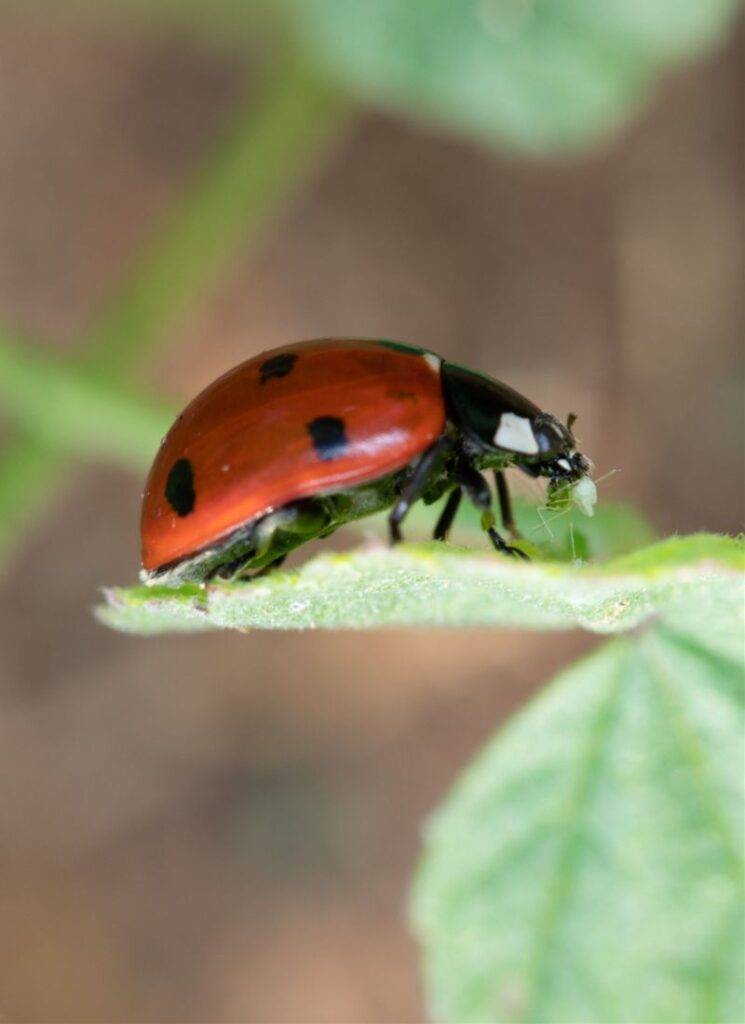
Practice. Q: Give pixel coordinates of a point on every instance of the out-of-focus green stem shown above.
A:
(257, 166)
(76, 411)
(270, 149)
(26, 482)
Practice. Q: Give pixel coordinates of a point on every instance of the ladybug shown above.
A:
(295, 442)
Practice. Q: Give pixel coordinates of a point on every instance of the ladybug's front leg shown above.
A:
(427, 467)
(478, 491)
(505, 504)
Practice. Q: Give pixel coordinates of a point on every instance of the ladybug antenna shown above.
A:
(571, 420)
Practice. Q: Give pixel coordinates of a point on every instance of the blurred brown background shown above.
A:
(222, 827)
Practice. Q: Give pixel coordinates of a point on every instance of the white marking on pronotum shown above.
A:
(432, 361)
(565, 464)
(516, 434)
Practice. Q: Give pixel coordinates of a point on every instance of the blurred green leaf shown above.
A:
(570, 535)
(588, 866)
(75, 411)
(661, 30)
(440, 585)
(537, 75)
(615, 529)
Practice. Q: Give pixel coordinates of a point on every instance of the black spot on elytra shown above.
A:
(277, 366)
(180, 492)
(328, 437)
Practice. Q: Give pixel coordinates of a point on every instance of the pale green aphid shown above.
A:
(585, 495)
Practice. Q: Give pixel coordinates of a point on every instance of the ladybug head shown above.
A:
(558, 458)
(498, 423)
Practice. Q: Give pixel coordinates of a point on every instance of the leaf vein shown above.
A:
(560, 886)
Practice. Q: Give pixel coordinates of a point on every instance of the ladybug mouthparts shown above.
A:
(569, 468)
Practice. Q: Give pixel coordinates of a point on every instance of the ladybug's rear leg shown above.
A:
(274, 535)
(427, 467)
(478, 491)
(267, 568)
(442, 527)
(235, 570)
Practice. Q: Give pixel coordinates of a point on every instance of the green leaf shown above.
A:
(538, 75)
(588, 866)
(663, 29)
(440, 585)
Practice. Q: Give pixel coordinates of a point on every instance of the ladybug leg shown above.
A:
(478, 491)
(233, 571)
(229, 572)
(273, 536)
(501, 545)
(442, 527)
(505, 504)
(426, 468)
(268, 568)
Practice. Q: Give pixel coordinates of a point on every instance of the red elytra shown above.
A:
(260, 437)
